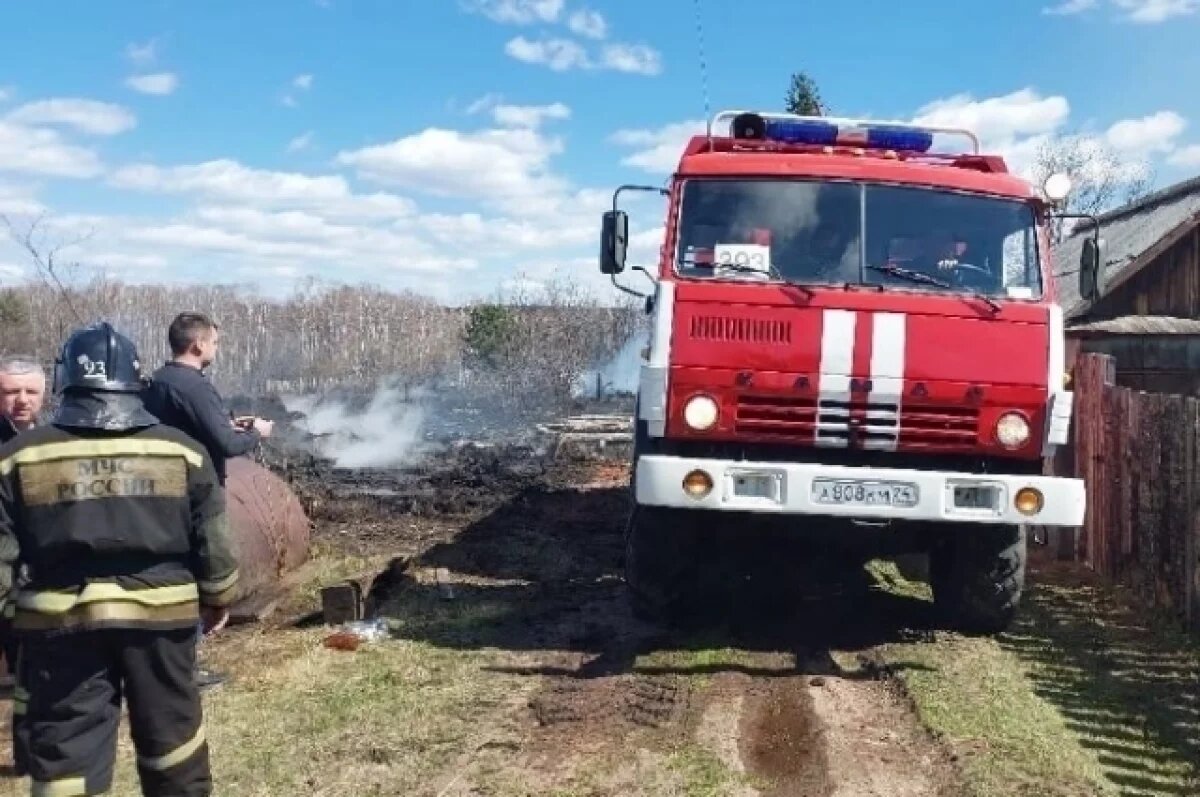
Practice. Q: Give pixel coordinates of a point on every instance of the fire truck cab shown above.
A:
(855, 338)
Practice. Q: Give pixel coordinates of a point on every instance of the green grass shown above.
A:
(1083, 696)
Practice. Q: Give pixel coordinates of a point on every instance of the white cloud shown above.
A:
(1069, 7)
(657, 151)
(588, 23)
(158, 83)
(1020, 124)
(256, 247)
(644, 246)
(485, 102)
(562, 55)
(559, 55)
(638, 59)
(127, 260)
(302, 82)
(6, 93)
(517, 12)
(508, 236)
(32, 150)
(1022, 112)
(1015, 125)
(529, 115)
(88, 116)
(301, 142)
(510, 115)
(294, 238)
(142, 53)
(19, 201)
(1154, 11)
(1154, 133)
(494, 165)
(1186, 157)
(1145, 12)
(13, 271)
(233, 181)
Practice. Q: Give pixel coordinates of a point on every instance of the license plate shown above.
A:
(855, 492)
(983, 497)
(756, 485)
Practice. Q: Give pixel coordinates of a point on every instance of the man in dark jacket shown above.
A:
(181, 395)
(22, 394)
(122, 527)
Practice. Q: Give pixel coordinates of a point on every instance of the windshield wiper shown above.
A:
(772, 272)
(920, 276)
(741, 269)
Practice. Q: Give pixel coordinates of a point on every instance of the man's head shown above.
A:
(193, 339)
(98, 377)
(22, 390)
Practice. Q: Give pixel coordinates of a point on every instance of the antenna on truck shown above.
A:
(703, 67)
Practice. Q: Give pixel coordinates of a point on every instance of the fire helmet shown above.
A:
(98, 358)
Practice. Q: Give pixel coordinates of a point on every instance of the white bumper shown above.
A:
(793, 488)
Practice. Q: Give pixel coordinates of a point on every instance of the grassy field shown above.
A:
(1085, 695)
(508, 689)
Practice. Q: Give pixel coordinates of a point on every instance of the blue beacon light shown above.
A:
(828, 134)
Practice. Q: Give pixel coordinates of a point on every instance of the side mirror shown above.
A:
(614, 236)
(1089, 269)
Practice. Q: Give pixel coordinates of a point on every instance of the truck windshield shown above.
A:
(826, 232)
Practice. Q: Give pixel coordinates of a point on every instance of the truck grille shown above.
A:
(733, 329)
(880, 425)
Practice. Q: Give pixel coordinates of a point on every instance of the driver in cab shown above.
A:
(947, 254)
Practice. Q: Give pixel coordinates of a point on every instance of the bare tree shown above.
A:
(1101, 179)
(323, 336)
(45, 251)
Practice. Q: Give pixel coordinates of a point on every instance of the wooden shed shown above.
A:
(1151, 259)
(1145, 316)
(1158, 354)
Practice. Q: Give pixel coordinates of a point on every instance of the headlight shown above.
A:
(700, 413)
(1012, 430)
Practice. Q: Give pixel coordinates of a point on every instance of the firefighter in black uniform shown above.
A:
(122, 526)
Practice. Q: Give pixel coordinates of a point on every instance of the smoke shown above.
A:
(620, 374)
(385, 433)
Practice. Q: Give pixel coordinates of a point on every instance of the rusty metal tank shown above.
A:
(269, 527)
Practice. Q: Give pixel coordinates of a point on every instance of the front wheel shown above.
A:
(978, 577)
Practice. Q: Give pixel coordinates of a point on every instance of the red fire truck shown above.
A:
(854, 337)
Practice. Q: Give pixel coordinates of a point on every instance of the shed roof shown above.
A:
(1138, 325)
(1130, 234)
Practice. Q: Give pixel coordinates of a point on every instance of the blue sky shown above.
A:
(460, 147)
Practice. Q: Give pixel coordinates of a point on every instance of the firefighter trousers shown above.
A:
(8, 639)
(75, 684)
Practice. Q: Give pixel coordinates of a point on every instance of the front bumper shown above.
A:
(914, 495)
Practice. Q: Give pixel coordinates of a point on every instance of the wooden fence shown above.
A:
(1139, 454)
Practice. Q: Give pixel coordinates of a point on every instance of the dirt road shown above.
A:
(779, 696)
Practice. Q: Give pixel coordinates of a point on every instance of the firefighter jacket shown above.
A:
(116, 530)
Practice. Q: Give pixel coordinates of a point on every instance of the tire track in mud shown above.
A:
(793, 732)
(782, 739)
(782, 714)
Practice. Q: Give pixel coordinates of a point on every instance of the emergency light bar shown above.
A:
(833, 131)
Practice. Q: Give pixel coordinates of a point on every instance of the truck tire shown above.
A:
(978, 576)
(659, 557)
